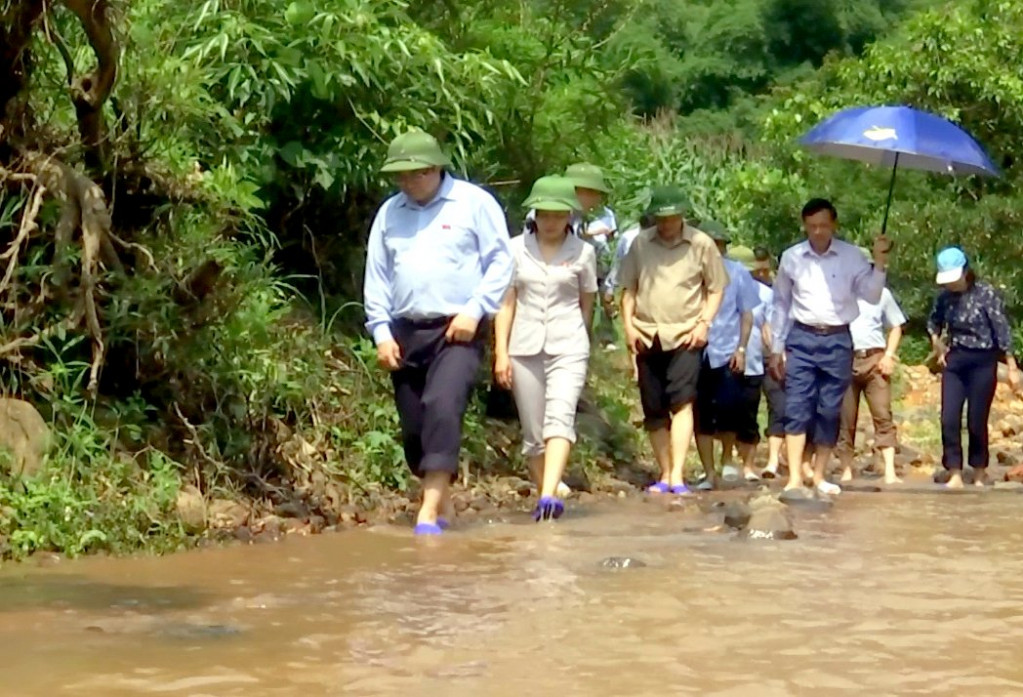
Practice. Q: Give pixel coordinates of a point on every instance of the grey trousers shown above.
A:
(547, 390)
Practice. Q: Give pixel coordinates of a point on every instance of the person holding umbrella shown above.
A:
(815, 298)
(971, 316)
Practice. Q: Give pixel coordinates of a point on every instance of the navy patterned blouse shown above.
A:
(975, 319)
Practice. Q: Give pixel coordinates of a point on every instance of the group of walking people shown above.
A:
(712, 329)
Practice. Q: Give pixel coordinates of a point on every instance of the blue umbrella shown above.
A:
(899, 135)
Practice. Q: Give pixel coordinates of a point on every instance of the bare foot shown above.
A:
(807, 471)
(980, 477)
(892, 479)
(955, 481)
(847, 475)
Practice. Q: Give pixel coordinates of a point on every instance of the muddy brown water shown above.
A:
(886, 594)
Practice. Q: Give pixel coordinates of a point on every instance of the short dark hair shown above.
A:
(970, 275)
(816, 205)
(761, 254)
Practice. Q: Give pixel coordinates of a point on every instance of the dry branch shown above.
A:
(29, 224)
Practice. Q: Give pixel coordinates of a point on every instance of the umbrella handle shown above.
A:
(891, 189)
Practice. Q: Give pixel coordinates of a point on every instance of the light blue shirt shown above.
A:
(448, 257)
(761, 316)
(740, 296)
(624, 242)
(868, 330)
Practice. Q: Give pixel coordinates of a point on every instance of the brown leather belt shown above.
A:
(822, 329)
(863, 353)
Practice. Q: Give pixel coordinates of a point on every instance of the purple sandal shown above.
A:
(548, 508)
(427, 529)
(659, 488)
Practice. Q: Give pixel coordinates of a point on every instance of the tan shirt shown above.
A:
(671, 283)
(548, 309)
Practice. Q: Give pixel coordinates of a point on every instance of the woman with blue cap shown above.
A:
(971, 317)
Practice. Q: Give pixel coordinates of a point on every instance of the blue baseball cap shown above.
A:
(951, 264)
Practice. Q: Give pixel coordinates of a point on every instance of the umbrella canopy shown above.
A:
(899, 136)
(890, 135)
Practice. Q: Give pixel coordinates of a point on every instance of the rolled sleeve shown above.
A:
(781, 308)
(870, 282)
(715, 277)
(376, 290)
(891, 312)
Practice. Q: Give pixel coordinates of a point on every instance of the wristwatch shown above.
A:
(741, 349)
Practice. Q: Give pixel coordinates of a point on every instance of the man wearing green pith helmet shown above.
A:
(598, 226)
(437, 265)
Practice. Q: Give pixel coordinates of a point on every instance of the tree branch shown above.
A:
(90, 92)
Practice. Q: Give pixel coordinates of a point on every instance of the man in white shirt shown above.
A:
(873, 365)
(815, 298)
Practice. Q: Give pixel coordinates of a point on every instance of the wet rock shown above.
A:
(24, 435)
(577, 480)
(769, 519)
(351, 515)
(941, 476)
(223, 513)
(317, 524)
(480, 503)
(737, 514)
(968, 475)
(243, 535)
(1015, 474)
(191, 509)
(198, 631)
(805, 500)
(1006, 459)
(587, 497)
(294, 526)
(622, 563)
(292, 509)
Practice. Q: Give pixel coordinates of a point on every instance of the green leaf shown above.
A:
(299, 13)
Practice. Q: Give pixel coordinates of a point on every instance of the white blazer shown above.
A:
(548, 314)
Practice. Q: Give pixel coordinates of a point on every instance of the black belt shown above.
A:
(426, 323)
(863, 353)
(822, 329)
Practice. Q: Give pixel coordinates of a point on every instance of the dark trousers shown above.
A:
(774, 391)
(818, 371)
(718, 400)
(748, 431)
(667, 382)
(970, 377)
(431, 391)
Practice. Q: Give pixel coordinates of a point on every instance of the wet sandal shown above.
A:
(427, 529)
(548, 508)
(659, 488)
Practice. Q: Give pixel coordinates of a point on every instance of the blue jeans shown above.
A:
(818, 370)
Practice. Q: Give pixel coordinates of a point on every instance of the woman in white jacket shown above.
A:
(542, 334)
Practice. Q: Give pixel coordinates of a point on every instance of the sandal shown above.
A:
(659, 488)
(427, 529)
(681, 490)
(548, 508)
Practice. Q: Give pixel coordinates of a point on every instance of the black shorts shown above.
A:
(667, 382)
(718, 400)
(748, 431)
(775, 393)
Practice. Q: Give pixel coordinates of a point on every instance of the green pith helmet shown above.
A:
(414, 150)
(716, 230)
(587, 176)
(666, 201)
(552, 193)
(744, 255)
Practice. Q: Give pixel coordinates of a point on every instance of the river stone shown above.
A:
(191, 509)
(768, 520)
(737, 514)
(805, 500)
(622, 563)
(24, 435)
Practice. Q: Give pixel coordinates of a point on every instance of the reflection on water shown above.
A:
(885, 595)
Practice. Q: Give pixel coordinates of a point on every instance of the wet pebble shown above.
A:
(622, 563)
